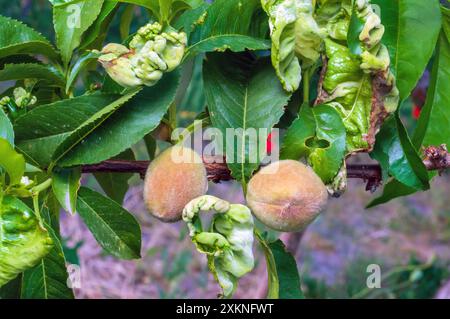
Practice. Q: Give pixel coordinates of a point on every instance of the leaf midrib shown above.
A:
(97, 116)
(244, 120)
(188, 50)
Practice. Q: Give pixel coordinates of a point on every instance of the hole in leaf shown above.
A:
(314, 142)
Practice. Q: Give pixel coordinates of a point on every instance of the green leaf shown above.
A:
(81, 63)
(125, 21)
(149, 4)
(32, 71)
(17, 59)
(17, 38)
(65, 184)
(405, 22)
(11, 161)
(243, 94)
(165, 7)
(273, 284)
(113, 184)
(99, 28)
(434, 122)
(192, 100)
(354, 30)
(76, 137)
(165, 10)
(233, 42)
(318, 134)
(283, 276)
(227, 25)
(127, 125)
(391, 190)
(6, 128)
(287, 271)
(57, 3)
(115, 229)
(49, 279)
(191, 18)
(71, 21)
(11, 290)
(435, 112)
(51, 131)
(51, 210)
(398, 157)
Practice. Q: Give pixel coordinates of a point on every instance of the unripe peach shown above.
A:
(173, 179)
(286, 195)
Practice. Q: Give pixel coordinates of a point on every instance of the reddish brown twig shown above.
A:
(435, 159)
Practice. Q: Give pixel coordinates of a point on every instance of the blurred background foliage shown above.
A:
(409, 238)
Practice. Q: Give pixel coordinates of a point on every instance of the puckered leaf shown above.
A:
(17, 38)
(318, 135)
(18, 253)
(11, 161)
(114, 228)
(334, 15)
(296, 38)
(228, 243)
(243, 94)
(349, 92)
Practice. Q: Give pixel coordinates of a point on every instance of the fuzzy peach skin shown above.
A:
(170, 183)
(286, 198)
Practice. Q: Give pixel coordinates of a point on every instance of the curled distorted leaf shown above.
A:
(228, 243)
(318, 135)
(363, 99)
(296, 38)
(334, 16)
(153, 52)
(348, 89)
(23, 241)
(11, 161)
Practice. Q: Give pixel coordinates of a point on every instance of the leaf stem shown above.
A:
(41, 187)
(173, 116)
